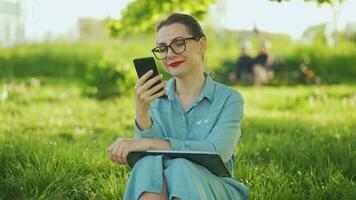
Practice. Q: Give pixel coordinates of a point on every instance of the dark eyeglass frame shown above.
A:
(156, 49)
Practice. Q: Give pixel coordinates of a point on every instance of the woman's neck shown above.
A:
(190, 85)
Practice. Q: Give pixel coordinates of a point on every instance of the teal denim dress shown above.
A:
(211, 123)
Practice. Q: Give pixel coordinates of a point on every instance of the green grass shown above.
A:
(297, 142)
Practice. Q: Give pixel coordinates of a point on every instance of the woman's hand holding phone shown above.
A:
(145, 95)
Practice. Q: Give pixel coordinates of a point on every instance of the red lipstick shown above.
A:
(175, 64)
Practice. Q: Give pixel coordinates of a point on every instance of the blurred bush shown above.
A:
(105, 68)
(61, 60)
(109, 77)
(332, 65)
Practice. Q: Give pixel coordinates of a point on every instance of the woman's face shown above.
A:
(187, 62)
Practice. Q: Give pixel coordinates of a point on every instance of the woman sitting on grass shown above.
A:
(198, 114)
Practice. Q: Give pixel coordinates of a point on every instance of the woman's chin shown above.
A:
(179, 71)
(174, 70)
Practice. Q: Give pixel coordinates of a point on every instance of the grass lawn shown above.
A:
(297, 142)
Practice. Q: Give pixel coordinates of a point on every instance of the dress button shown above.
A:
(183, 117)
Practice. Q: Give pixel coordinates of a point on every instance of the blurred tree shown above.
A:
(350, 31)
(142, 15)
(92, 29)
(335, 6)
(315, 34)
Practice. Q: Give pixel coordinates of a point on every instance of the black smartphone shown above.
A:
(143, 65)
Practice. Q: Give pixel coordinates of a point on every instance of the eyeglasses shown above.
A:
(177, 46)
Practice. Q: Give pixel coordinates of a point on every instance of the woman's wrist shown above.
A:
(144, 121)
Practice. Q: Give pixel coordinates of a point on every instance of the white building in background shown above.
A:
(12, 22)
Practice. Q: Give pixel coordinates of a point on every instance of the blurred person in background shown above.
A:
(262, 65)
(244, 63)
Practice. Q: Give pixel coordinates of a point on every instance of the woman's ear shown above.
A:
(202, 45)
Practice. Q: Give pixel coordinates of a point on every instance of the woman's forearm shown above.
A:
(144, 121)
(159, 144)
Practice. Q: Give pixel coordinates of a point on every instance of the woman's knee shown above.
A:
(181, 162)
(178, 167)
(144, 163)
(146, 159)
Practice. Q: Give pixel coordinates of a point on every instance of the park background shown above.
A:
(65, 98)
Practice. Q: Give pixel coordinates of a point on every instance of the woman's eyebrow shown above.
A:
(163, 43)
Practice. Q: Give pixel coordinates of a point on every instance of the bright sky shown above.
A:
(291, 17)
(60, 16)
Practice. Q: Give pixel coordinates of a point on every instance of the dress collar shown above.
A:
(207, 90)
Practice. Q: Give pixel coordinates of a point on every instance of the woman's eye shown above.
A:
(161, 49)
(179, 43)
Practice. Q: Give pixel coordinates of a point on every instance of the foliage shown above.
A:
(105, 69)
(315, 34)
(110, 77)
(142, 15)
(330, 65)
(59, 60)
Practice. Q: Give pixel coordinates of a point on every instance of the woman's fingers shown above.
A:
(144, 78)
(119, 156)
(155, 96)
(115, 151)
(156, 88)
(120, 151)
(122, 147)
(124, 155)
(146, 86)
(144, 95)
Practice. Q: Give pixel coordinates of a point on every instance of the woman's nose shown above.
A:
(170, 52)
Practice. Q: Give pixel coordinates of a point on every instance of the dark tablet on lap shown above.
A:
(209, 160)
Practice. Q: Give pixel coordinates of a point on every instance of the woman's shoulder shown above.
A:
(227, 92)
(228, 100)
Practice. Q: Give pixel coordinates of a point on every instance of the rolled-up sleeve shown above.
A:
(153, 132)
(223, 138)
